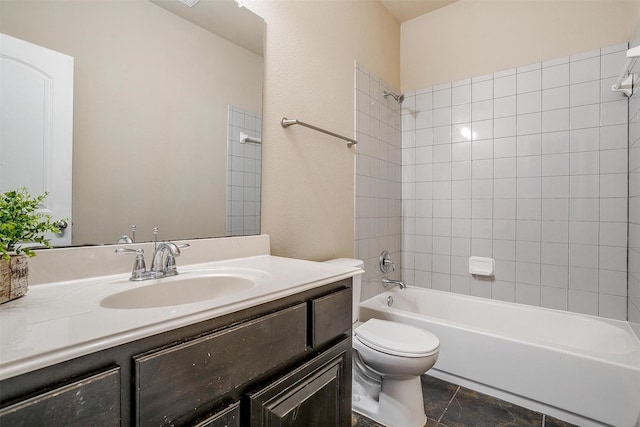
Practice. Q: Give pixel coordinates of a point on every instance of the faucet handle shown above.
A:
(386, 262)
(139, 265)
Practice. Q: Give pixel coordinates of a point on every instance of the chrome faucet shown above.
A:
(390, 282)
(164, 259)
(163, 264)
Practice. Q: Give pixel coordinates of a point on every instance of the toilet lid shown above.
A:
(397, 338)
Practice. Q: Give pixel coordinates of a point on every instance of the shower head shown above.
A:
(399, 98)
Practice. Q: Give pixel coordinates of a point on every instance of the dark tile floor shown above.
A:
(450, 405)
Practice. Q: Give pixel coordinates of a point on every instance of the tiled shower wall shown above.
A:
(633, 302)
(244, 172)
(527, 166)
(378, 178)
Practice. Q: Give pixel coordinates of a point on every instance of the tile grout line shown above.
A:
(449, 404)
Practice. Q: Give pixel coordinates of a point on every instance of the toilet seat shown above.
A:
(397, 339)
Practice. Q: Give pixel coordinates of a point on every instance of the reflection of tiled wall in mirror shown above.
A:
(243, 172)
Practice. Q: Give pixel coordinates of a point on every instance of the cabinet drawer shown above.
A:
(94, 400)
(330, 316)
(186, 379)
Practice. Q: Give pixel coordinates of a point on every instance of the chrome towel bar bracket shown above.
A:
(290, 122)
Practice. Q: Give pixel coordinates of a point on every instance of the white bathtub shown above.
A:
(582, 369)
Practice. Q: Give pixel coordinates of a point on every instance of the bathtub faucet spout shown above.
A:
(390, 282)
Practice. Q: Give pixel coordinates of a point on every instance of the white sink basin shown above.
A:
(179, 290)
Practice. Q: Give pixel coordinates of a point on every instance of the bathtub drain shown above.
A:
(389, 300)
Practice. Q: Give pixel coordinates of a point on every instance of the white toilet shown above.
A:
(388, 359)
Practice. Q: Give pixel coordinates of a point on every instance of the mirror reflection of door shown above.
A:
(36, 126)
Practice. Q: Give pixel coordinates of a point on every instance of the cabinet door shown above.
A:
(92, 401)
(316, 394)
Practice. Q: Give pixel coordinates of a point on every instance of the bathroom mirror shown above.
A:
(161, 94)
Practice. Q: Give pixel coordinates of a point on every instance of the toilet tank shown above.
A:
(357, 281)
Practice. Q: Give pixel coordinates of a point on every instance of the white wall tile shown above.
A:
(613, 113)
(584, 186)
(482, 130)
(555, 254)
(441, 98)
(584, 232)
(555, 209)
(556, 276)
(504, 250)
(612, 137)
(505, 188)
(442, 116)
(530, 102)
(612, 63)
(555, 76)
(555, 232)
(555, 187)
(583, 302)
(585, 139)
(529, 81)
(583, 279)
(482, 110)
(613, 185)
(504, 168)
(528, 231)
(529, 123)
(504, 86)
(529, 188)
(536, 177)
(505, 126)
(555, 298)
(555, 142)
(527, 294)
(585, 116)
(555, 98)
(614, 307)
(504, 230)
(585, 256)
(556, 120)
(529, 145)
(461, 94)
(585, 93)
(584, 163)
(584, 70)
(503, 291)
(482, 91)
(555, 164)
(461, 113)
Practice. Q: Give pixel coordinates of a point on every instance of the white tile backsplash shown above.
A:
(536, 178)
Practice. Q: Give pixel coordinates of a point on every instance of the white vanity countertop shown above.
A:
(59, 321)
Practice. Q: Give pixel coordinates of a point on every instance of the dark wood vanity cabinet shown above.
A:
(283, 363)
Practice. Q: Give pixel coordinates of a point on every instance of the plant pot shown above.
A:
(14, 277)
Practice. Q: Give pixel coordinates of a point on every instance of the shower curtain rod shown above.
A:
(289, 122)
(625, 80)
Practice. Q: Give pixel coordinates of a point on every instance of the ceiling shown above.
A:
(404, 10)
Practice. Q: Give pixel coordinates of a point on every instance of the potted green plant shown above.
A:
(20, 223)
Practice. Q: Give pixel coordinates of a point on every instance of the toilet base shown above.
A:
(399, 403)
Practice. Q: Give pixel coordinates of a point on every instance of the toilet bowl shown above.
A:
(388, 359)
